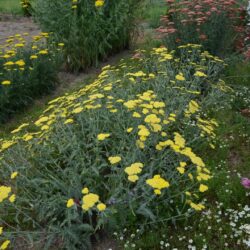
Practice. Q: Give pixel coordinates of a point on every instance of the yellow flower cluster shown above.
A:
(5, 193)
(193, 107)
(99, 3)
(154, 113)
(181, 169)
(114, 159)
(163, 54)
(102, 137)
(6, 243)
(133, 170)
(180, 77)
(9, 51)
(200, 74)
(89, 200)
(6, 82)
(197, 207)
(74, 4)
(25, 4)
(158, 183)
(207, 127)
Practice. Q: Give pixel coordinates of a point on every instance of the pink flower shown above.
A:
(197, 7)
(213, 9)
(137, 56)
(203, 37)
(245, 182)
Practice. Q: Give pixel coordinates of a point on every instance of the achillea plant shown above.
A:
(28, 70)
(122, 151)
(219, 25)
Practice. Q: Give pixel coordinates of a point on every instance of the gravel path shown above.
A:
(11, 25)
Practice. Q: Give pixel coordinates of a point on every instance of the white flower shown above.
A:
(247, 242)
(246, 208)
(232, 224)
(246, 228)
(191, 247)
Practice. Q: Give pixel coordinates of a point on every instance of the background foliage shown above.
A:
(90, 33)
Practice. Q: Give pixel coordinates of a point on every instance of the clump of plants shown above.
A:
(218, 25)
(91, 30)
(122, 151)
(26, 7)
(28, 70)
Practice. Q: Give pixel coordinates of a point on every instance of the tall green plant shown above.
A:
(90, 32)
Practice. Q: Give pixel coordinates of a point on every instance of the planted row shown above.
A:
(122, 151)
(220, 26)
(28, 70)
(91, 30)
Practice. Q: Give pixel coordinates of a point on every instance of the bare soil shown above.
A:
(11, 25)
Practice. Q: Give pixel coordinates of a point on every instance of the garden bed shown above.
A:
(153, 153)
(149, 118)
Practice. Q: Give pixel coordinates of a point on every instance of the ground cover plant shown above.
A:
(123, 143)
(90, 29)
(218, 25)
(154, 152)
(224, 224)
(28, 70)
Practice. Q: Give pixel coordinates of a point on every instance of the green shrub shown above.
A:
(132, 137)
(28, 71)
(219, 25)
(88, 31)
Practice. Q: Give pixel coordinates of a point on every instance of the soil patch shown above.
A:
(234, 159)
(11, 25)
